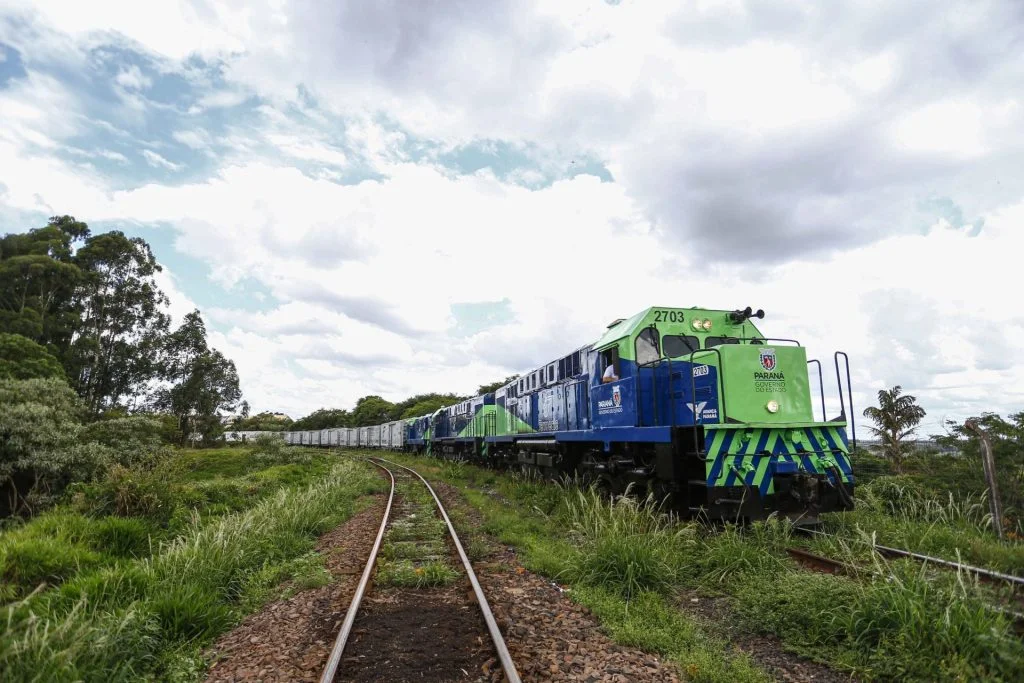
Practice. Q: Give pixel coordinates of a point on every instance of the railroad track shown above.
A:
(828, 565)
(1016, 583)
(335, 661)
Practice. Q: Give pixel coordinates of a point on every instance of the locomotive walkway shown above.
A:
(410, 631)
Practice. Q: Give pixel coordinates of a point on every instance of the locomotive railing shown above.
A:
(821, 388)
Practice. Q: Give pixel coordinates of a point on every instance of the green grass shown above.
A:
(410, 574)
(146, 618)
(901, 513)
(130, 515)
(414, 553)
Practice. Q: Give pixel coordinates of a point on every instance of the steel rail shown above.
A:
(984, 574)
(331, 670)
(988, 575)
(511, 675)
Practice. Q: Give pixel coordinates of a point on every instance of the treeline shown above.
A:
(84, 339)
(374, 410)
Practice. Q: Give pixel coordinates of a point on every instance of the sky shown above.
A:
(394, 198)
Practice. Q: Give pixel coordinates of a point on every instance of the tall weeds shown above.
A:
(117, 624)
(625, 545)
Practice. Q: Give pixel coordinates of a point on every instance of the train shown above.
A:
(695, 406)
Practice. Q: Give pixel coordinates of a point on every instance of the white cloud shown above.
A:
(133, 78)
(196, 139)
(157, 161)
(785, 156)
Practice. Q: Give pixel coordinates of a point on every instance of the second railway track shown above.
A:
(417, 622)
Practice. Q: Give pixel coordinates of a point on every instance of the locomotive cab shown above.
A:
(745, 439)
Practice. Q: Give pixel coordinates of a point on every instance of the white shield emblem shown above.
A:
(616, 396)
(768, 359)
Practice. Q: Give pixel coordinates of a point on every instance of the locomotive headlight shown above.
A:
(772, 406)
(707, 324)
(696, 324)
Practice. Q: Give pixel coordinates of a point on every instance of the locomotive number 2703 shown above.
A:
(668, 316)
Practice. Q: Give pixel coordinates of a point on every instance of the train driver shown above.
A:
(609, 373)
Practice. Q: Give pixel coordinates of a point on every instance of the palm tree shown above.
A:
(896, 417)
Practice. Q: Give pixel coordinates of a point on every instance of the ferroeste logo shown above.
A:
(768, 359)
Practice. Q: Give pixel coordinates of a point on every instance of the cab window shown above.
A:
(647, 350)
(610, 358)
(718, 341)
(678, 345)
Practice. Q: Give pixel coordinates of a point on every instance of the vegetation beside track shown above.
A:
(198, 544)
(414, 553)
(628, 564)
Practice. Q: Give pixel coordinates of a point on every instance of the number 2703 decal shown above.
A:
(668, 316)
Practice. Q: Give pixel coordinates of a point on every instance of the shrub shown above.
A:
(128, 493)
(133, 441)
(270, 448)
(39, 449)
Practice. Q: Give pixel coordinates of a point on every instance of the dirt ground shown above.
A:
(767, 651)
(434, 634)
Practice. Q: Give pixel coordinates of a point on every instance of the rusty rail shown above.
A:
(507, 665)
(331, 670)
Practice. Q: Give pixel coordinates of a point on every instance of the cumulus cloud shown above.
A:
(852, 168)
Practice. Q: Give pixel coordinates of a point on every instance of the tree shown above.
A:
(895, 418)
(429, 405)
(424, 404)
(38, 281)
(22, 358)
(324, 418)
(114, 350)
(202, 382)
(1007, 439)
(494, 386)
(268, 422)
(372, 410)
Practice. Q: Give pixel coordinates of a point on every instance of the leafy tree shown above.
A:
(372, 410)
(267, 422)
(202, 381)
(427, 406)
(1007, 439)
(494, 386)
(424, 404)
(38, 281)
(40, 449)
(22, 358)
(323, 418)
(114, 351)
(895, 418)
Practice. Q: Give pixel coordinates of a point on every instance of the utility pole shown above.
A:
(989, 466)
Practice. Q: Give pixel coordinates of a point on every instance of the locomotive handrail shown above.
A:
(759, 339)
(821, 388)
(849, 389)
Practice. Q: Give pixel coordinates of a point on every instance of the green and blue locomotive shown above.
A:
(689, 403)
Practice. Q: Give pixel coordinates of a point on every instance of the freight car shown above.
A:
(694, 404)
